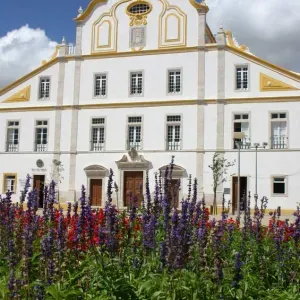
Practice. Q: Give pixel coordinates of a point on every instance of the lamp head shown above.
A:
(256, 145)
(265, 144)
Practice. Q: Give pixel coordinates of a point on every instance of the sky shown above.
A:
(30, 30)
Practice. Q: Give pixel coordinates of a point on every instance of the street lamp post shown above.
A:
(256, 146)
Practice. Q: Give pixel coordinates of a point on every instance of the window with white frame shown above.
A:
(100, 85)
(279, 136)
(242, 78)
(9, 183)
(134, 133)
(136, 83)
(279, 185)
(174, 85)
(44, 88)
(241, 124)
(98, 134)
(41, 136)
(174, 132)
(13, 130)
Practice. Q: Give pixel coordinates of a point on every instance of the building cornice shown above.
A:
(152, 104)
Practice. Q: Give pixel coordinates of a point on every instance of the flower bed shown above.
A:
(151, 252)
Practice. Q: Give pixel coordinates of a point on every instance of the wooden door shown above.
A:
(174, 193)
(38, 184)
(243, 192)
(234, 194)
(133, 182)
(96, 192)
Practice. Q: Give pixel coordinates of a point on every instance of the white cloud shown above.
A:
(21, 51)
(270, 28)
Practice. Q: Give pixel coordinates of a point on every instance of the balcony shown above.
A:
(41, 147)
(174, 145)
(279, 142)
(244, 143)
(134, 145)
(97, 146)
(12, 147)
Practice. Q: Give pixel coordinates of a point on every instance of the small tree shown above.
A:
(219, 168)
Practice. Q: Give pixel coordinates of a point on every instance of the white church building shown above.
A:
(146, 80)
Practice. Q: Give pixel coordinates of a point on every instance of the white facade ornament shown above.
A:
(80, 11)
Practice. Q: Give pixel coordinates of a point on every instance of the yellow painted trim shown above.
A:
(28, 76)
(231, 43)
(210, 34)
(112, 15)
(263, 100)
(164, 50)
(200, 6)
(162, 34)
(108, 45)
(4, 190)
(178, 28)
(264, 63)
(138, 19)
(270, 84)
(54, 55)
(152, 104)
(21, 96)
(88, 10)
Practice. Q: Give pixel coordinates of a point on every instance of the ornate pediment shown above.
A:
(96, 171)
(269, 84)
(133, 161)
(178, 171)
(21, 96)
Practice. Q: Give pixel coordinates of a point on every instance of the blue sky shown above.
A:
(54, 16)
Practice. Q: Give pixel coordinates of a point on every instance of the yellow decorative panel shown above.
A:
(104, 34)
(105, 31)
(172, 26)
(269, 84)
(21, 96)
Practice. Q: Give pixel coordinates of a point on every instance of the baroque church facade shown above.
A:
(145, 81)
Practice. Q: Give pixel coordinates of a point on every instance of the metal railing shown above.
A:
(41, 147)
(279, 142)
(97, 146)
(173, 145)
(12, 147)
(244, 143)
(135, 145)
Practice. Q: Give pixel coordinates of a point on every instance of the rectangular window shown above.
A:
(174, 86)
(136, 84)
(279, 185)
(241, 124)
(41, 136)
(134, 133)
(173, 132)
(242, 78)
(100, 85)
(9, 182)
(279, 131)
(13, 132)
(98, 134)
(44, 88)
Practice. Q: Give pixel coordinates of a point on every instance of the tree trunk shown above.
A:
(215, 211)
